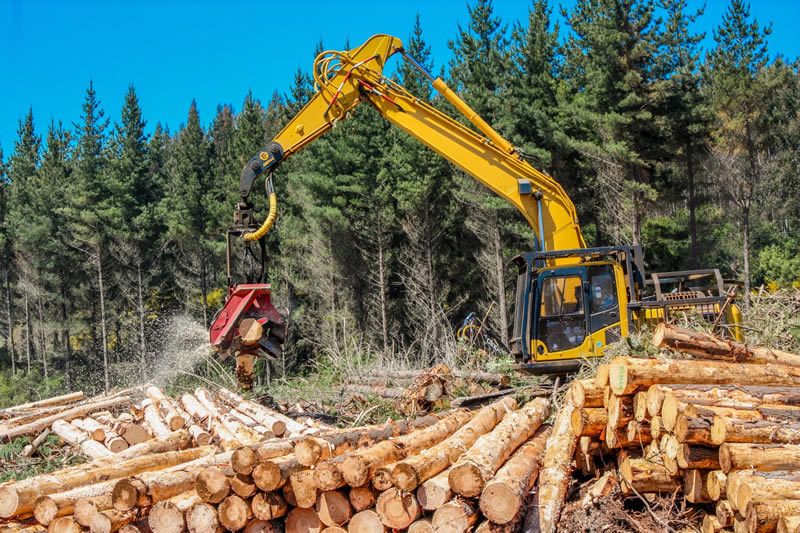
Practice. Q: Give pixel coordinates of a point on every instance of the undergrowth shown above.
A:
(53, 455)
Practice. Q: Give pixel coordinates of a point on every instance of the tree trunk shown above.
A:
(273, 474)
(153, 419)
(411, 472)
(382, 284)
(246, 458)
(65, 338)
(627, 374)
(691, 201)
(435, 492)
(586, 393)
(172, 418)
(358, 467)
(111, 520)
(17, 498)
(746, 252)
(10, 331)
(48, 508)
(28, 332)
(165, 517)
(502, 308)
(212, 485)
(694, 487)
(103, 331)
(759, 488)
(645, 475)
(504, 496)
(763, 516)
(141, 309)
(42, 340)
(704, 346)
(203, 284)
(150, 488)
(475, 468)
(202, 518)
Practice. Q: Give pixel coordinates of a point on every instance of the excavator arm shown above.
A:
(343, 80)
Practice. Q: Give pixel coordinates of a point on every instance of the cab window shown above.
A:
(602, 291)
(562, 296)
(562, 323)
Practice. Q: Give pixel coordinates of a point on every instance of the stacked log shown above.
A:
(721, 428)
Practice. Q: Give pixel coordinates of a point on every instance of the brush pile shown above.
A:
(722, 429)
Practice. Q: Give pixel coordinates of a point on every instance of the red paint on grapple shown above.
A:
(244, 301)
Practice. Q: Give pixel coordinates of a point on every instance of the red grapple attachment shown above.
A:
(246, 325)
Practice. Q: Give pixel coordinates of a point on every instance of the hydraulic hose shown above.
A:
(273, 211)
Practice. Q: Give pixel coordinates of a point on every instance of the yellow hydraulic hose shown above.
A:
(260, 232)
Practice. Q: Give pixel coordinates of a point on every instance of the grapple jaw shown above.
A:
(248, 326)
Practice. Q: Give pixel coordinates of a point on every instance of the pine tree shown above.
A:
(6, 246)
(741, 136)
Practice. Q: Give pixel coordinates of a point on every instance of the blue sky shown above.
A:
(173, 51)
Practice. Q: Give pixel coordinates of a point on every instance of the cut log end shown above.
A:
(467, 479)
(165, 517)
(397, 509)
(233, 513)
(361, 498)
(202, 518)
(212, 485)
(302, 520)
(333, 508)
(269, 506)
(64, 524)
(404, 477)
(244, 460)
(45, 510)
(366, 521)
(501, 502)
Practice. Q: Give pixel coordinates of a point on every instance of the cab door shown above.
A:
(561, 327)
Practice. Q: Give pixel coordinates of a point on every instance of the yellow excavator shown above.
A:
(571, 301)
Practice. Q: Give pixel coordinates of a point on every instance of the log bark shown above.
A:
(47, 508)
(47, 402)
(409, 473)
(732, 394)
(725, 429)
(694, 430)
(762, 517)
(303, 488)
(274, 473)
(358, 467)
(628, 374)
(333, 508)
(202, 518)
(704, 346)
(245, 459)
(234, 513)
(172, 418)
(698, 457)
(269, 506)
(457, 516)
(435, 492)
(397, 509)
(366, 521)
(761, 457)
(17, 498)
(362, 498)
(555, 469)
(474, 469)
(503, 497)
(589, 422)
(301, 520)
(11, 432)
(80, 440)
(148, 489)
(278, 423)
(91, 426)
(111, 520)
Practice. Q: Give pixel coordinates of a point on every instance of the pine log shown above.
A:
(640, 406)
(79, 439)
(698, 457)
(91, 426)
(64, 524)
(358, 467)
(397, 509)
(263, 526)
(585, 393)
(726, 429)
(761, 488)
(710, 524)
(601, 377)
(589, 421)
(366, 521)
(242, 433)
(196, 410)
(361, 498)
(645, 475)
(674, 407)
(177, 440)
(202, 518)
(212, 485)
(474, 469)
(243, 486)
(269, 506)
(616, 438)
(245, 459)
(423, 525)
(333, 508)
(382, 478)
(48, 508)
(12, 431)
(173, 420)
(724, 513)
(761, 457)
(763, 516)
(251, 423)
(457, 516)
(503, 497)
(274, 473)
(732, 487)
(150, 488)
(733, 394)
(327, 474)
(132, 433)
(410, 472)
(655, 398)
(234, 513)
(201, 436)
(627, 374)
(635, 432)
(111, 520)
(303, 488)
(694, 486)
(655, 427)
(165, 517)
(311, 450)
(789, 524)
(278, 423)
(435, 492)
(555, 469)
(17, 498)
(47, 402)
(34, 445)
(715, 484)
(620, 410)
(301, 520)
(705, 346)
(694, 430)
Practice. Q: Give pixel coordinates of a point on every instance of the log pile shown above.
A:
(721, 428)
(397, 475)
